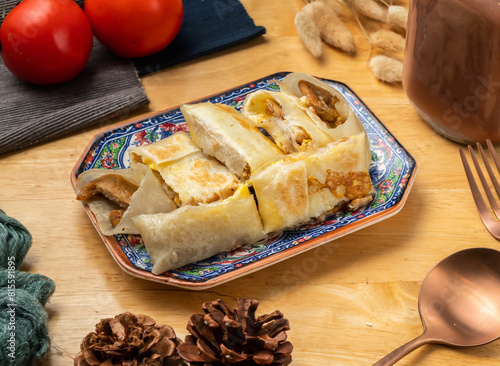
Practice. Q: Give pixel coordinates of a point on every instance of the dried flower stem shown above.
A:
(309, 32)
(385, 3)
(336, 5)
(388, 40)
(325, 17)
(387, 69)
(368, 8)
(332, 29)
(397, 17)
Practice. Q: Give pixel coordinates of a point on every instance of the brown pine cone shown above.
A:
(235, 337)
(130, 340)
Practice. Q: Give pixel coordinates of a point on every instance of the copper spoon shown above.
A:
(459, 303)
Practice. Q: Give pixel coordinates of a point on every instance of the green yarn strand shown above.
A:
(23, 329)
(15, 241)
(24, 335)
(38, 285)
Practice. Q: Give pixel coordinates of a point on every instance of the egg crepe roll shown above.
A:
(190, 177)
(325, 105)
(281, 191)
(193, 233)
(339, 173)
(309, 185)
(290, 127)
(222, 132)
(148, 197)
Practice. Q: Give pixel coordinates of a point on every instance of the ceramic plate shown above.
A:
(392, 172)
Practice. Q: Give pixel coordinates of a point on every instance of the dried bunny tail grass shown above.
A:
(331, 28)
(334, 5)
(372, 26)
(369, 8)
(387, 69)
(388, 41)
(372, 10)
(309, 32)
(397, 17)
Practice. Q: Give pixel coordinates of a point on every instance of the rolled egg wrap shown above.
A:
(309, 185)
(188, 175)
(193, 233)
(222, 132)
(290, 126)
(149, 198)
(325, 105)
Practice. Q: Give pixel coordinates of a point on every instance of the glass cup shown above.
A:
(451, 70)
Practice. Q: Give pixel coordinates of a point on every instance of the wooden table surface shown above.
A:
(352, 307)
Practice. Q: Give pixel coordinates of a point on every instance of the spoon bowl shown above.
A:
(459, 302)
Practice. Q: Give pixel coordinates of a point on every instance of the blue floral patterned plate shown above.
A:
(392, 172)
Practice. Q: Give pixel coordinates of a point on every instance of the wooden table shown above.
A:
(351, 308)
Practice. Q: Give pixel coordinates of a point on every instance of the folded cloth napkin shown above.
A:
(108, 86)
(208, 26)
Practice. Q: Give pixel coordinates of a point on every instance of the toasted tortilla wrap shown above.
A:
(306, 186)
(281, 191)
(226, 135)
(325, 105)
(148, 198)
(189, 176)
(290, 126)
(193, 233)
(339, 173)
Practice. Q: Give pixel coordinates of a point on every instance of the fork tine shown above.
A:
(476, 194)
(491, 199)
(494, 155)
(484, 212)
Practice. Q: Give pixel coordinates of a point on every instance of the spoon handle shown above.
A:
(402, 351)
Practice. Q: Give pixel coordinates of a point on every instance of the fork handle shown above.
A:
(402, 351)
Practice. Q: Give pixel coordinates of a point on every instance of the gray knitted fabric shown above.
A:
(107, 87)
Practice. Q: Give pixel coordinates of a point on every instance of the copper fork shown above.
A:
(490, 221)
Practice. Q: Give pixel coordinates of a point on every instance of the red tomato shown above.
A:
(135, 28)
(46, 41)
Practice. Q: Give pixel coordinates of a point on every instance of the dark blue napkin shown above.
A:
(208, 26)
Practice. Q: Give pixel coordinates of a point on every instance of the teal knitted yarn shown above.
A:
(15, 241)
(24, 336)
(39, 286)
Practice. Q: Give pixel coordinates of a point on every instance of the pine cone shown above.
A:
(235, 337)
(130, 340)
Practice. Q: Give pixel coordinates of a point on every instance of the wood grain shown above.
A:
(349, 302)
